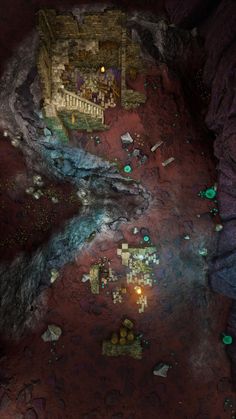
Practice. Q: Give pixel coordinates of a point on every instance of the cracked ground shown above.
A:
(184, 318)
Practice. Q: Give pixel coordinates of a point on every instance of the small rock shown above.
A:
(186, 237)
(82, 193)
(29, 190)
(135, 230)
(36, 179)
(52, 333)
(47, 132)
(168, 161)
(55, 200)
(203, 251)
(143, 159)
(194, 32)
(54, 275)
(218, 227)
(15, 142)
(36, 195)
(126, 139)
(136, 152)
(85, 278)
(155, 147)
(161, 370)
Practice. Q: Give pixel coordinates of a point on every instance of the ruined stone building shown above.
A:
(83, 66)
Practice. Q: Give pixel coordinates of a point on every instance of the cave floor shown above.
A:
(183, 321)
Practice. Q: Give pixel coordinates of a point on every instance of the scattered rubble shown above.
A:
(142, 301)
(161, 370)
(37, 180)
(168, 161)
(30, 190)
(156, 146)
(52, 333)
(126, 139)
(37, 194)
(15, 142)
(117, 296)
(203, 251)
(54, 275)
(218, 227)
(85, 278)
(54, 200)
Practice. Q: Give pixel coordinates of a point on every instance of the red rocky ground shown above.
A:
(182, 324)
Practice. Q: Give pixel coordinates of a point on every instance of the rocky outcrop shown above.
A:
(107, 197)
(217, 25)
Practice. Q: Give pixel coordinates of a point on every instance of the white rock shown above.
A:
(52, 333)
(29, 190)
(126, 138)
(218, 227)
(155, 147)
(168, 161)
(203, 251)
(161, 370)
(85, 278)
(54, 275)
(15, 143)
(36, 195)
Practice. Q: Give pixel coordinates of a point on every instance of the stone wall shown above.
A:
(100, 27)
(44, 69)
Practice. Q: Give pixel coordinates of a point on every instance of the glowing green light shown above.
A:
(227, 339)
(127, 168)
(146, 238)
(210, 193)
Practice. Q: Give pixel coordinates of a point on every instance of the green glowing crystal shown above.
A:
(146, 238)
(127, 168)
(210, 193)
(227, 339)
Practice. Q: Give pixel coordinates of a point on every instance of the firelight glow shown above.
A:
(138, 290)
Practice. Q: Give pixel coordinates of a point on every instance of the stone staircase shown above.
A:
(70, 102)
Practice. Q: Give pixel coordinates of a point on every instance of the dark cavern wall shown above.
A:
(216, 22)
